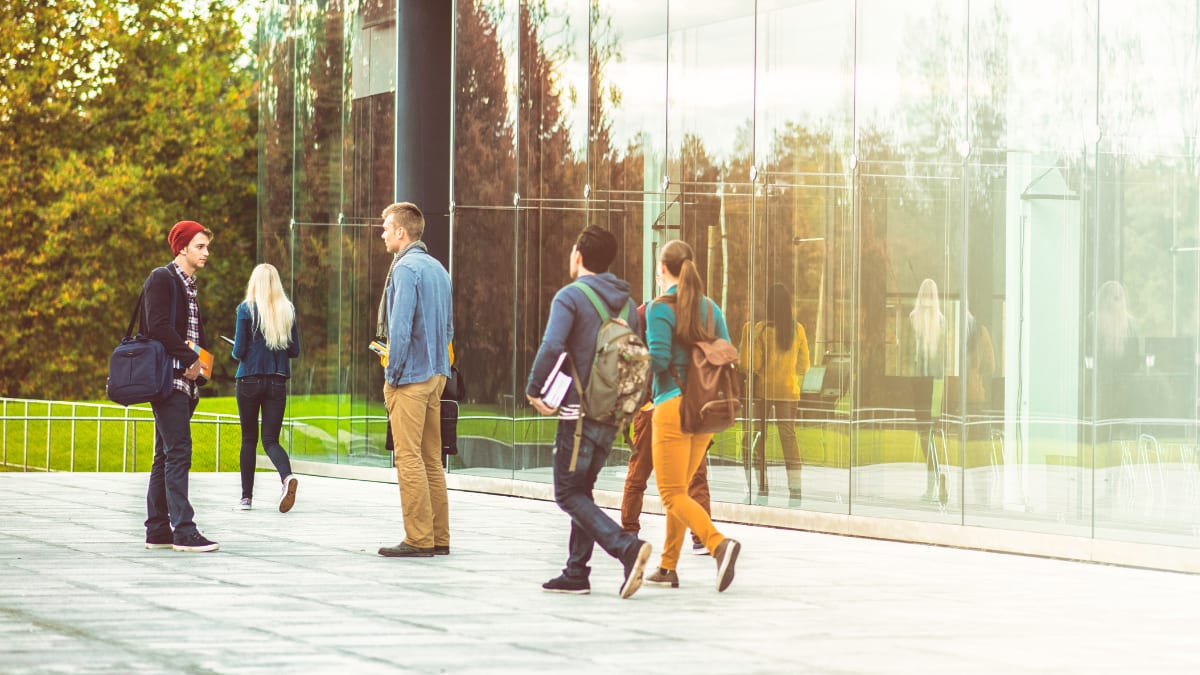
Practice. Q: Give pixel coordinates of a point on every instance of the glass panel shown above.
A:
(484, 306)
(551, 178)
(909, 111)
(484, 241)
(276, 133)
(708, 202)
(803, 141)
(1029, 177)
(1141, 327)
(321, 107)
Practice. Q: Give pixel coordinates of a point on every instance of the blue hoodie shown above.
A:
(572, 327)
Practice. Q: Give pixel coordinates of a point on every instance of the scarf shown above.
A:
(381, 332)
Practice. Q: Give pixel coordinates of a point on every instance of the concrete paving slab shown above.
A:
(305, 591)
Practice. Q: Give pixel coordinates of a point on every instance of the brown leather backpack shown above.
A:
(712, 396)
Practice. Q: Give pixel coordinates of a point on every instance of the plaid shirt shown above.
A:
(183, 384)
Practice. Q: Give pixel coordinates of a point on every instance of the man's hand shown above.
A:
(540, 405)
(193, 371)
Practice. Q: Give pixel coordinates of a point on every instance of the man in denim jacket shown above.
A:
(417, 315)
(572, 328)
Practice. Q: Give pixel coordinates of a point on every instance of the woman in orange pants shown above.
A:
(676, 320)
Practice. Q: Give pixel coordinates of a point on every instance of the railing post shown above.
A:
(49, 427)
(125, 443)
(217, 469)
(99, 431)
(74, 411)
(25, 449)
(5, 432)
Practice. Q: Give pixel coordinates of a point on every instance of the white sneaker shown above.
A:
(244, 505)
(287, 496)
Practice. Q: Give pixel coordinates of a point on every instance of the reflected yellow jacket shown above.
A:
(781, 371)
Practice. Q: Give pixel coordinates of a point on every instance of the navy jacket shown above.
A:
(250, 348)
(572, 327)
(161, 288)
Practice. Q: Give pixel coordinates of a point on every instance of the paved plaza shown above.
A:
(306, 592)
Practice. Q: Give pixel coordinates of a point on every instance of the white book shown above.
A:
(558, 382)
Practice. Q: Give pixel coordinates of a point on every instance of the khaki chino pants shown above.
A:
(415, 411)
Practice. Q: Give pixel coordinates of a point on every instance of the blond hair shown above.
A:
(407, 216)
(927, 319)
(270, 310)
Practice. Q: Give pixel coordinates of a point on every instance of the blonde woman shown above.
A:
(929, 331)
(267, 338)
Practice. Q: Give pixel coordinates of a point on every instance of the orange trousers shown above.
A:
(677, 456)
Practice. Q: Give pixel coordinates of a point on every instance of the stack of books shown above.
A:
(558, 382)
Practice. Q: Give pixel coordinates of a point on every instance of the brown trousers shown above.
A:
(641, 463)
(415, 411)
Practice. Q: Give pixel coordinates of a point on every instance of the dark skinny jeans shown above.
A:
(268, 394)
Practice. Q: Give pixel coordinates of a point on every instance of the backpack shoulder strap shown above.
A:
(601, 309)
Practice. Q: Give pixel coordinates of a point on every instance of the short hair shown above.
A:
(598, 247)
(407, 216)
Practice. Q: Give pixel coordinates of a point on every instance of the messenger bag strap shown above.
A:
(578, 422)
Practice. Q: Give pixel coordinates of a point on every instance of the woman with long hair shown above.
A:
(929, 333)
(676, 320)
(780, 359)
(1116, 353)
(267, 338)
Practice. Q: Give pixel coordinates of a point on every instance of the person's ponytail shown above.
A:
(690, 323)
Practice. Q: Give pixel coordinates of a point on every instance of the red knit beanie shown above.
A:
(182, 234)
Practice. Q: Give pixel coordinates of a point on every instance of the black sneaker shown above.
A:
(634, 568)
(195, 543)
(698, 548)
(726, 555)
(441, 550)
(159, 541)
(406, 550)
(565, 584)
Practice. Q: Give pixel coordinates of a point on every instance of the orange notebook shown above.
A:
(206, 362)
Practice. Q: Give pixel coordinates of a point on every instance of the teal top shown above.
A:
(665, 350)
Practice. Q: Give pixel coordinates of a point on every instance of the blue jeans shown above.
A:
(267, 393)
(167, 505)
(573, 492)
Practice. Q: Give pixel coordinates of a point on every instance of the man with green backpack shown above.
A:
(593, 321)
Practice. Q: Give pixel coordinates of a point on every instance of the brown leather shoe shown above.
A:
(406, 550)
(664, 577)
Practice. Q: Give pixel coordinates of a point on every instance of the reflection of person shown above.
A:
(267, 337)
(981, 364)
(641, 464)
(1116, 350)
(171, 294)
(929, 332)
(417, 312)
(675, 321)
(572, 327)
(780, 359)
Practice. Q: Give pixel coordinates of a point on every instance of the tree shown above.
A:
(116, 120)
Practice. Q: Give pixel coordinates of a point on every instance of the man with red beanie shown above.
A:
(171, 315)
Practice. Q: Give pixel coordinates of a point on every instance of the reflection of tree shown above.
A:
(550, 173)
(484, 177)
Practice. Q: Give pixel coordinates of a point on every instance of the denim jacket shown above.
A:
(420, 319)
(250, 348)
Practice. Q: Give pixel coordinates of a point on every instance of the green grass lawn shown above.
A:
(90, 436)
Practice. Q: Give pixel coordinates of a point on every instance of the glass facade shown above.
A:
(982, 215)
